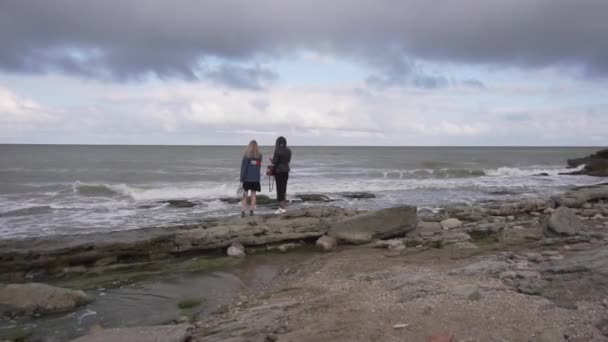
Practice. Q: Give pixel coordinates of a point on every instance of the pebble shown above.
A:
(511, 218)
(535, 214)
(549, 253)
(534, 257)
(507, 275)
(518, 227)
(599, 217)
(556, 257)
(400, 326)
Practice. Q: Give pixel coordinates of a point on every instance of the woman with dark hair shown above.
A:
(281, 160)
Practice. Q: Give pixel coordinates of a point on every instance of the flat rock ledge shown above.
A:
(43, 258)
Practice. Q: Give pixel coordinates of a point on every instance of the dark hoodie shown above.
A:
(282, 156)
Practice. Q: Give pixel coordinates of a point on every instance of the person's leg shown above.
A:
(279, 185)
(284, 205)
(252, 201)
(244, 203)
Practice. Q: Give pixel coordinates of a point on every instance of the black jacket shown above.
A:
(281, 159)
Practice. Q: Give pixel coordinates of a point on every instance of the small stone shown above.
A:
(326, 243)
(548, 211)
(549, 253)
(586, 206)
(534, 257)
(451, 223)
(511, 218)
(530, 286)
(556, 257)
(468, 292)
(518, 227)
(598, 217)
(427, 234)
(236, 250)
(272, 338)
(509, 282)
(400, 326)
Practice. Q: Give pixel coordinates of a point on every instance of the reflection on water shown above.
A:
(155, 300)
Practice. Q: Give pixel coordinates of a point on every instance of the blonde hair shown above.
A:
(252, 151)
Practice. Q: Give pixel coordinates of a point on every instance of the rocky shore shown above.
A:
(530, 270)
(595, 164)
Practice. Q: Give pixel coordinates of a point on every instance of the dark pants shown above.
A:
(281, 179)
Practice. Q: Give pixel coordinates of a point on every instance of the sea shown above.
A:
(50, 190)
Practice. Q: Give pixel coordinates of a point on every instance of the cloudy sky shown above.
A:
(341, 72)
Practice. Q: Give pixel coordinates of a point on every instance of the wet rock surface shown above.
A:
(39, 299)
(162, 333)
(496, 276)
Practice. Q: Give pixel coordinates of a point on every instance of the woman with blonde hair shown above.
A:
(250, 175)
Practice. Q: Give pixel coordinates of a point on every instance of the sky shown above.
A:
(382, 72)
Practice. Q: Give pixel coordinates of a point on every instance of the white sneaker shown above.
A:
(280, 211)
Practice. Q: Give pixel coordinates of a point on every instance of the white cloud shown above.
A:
(193, 113)
(18, 110)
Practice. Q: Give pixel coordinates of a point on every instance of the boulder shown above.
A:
(236, 250)
(380, 224)
(326, 243)
(161, 333)
(36, 298)
(451, 223)
(578, 197)
(562, 221)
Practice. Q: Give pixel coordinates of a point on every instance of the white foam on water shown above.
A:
(529, 171)
(190, 191)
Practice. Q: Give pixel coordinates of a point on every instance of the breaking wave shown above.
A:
(520, 172)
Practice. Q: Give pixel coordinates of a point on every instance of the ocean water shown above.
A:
(51, 189)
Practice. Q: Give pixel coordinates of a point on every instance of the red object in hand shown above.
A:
(442, 337)
(270, 171)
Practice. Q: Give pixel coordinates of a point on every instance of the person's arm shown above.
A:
(275, 158)
(243, 169)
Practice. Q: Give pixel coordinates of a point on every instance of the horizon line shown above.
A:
(235, 145)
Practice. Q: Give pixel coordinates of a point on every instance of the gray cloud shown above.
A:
(254, 78)
(129, 38)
